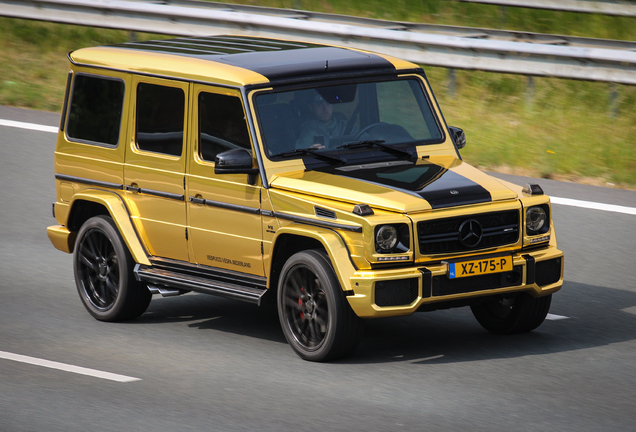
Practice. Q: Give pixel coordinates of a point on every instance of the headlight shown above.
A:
(386, 238)
(537, 220)
(392, 238)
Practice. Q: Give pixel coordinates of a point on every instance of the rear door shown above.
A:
(155, 165)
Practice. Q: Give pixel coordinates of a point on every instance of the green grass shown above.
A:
(33, 59)
(559, 129)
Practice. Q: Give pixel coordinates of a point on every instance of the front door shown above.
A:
(155, 165)
(223, 209)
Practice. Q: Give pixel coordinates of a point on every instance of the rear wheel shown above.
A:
(315, 316)
(519, 314)
(104, 275)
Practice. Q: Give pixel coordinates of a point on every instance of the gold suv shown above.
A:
(321, 178)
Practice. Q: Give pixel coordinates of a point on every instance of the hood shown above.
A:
(401, 186)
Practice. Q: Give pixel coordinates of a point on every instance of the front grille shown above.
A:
(397, 292)
(548, 272)
(443, 286)
(442, 235)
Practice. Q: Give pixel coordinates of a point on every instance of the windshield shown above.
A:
(345, 118)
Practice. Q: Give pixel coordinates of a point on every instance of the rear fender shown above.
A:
(118, 211)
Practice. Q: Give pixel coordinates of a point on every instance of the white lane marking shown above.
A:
(593, 205)
(30, 126)
(553, 317)
(427, 358)
(631, 310)
(66, 367)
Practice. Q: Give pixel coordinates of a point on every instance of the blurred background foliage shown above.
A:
(542, 127)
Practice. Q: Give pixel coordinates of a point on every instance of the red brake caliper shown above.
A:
(300, 302)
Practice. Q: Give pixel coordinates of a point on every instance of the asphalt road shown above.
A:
(202, 363)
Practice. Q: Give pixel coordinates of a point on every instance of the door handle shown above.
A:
(197, 199)
(133, 187)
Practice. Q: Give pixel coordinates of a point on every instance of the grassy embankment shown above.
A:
(562, 129)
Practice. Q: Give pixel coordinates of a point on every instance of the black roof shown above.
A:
(274, 59)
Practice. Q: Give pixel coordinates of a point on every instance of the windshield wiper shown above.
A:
(379, 144)
(312, 152)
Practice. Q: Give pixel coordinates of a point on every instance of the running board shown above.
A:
(173, 276)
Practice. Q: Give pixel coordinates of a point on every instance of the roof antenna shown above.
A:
(326, 64)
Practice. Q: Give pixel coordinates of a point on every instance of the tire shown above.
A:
(315, 316)
(519, 314)
(103, 269)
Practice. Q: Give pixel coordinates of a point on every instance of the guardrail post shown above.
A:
(613, 100)
(503, 16)
(530, 91)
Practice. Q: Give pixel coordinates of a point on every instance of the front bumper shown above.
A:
(61, 237)
(396, 292)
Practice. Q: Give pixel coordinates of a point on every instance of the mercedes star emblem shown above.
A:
(470, 233)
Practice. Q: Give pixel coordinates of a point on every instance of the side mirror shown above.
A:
(236, 161)
(458, 136)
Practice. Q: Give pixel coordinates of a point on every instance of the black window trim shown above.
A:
(67, 93)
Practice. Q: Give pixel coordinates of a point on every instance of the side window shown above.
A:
(160, 114)
(222, 125)
(96, 109)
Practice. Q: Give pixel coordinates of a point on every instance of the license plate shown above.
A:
(479, 267)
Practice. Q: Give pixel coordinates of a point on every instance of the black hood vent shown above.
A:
(324, 213)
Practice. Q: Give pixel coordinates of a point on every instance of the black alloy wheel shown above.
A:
(306, 307)
(104, 273)
(316, 318)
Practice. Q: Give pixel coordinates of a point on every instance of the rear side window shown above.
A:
(222, 125)
(96, 109)
(160, 117)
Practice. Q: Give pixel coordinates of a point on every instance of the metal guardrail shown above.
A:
(445, 46)
(606, 7)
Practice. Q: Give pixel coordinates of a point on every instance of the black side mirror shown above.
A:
(458, 136)
(235, 161)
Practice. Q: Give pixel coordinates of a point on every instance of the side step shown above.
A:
(167, 277)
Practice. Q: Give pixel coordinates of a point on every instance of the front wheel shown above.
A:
(315, 316)
(519, 314)
(104, 275)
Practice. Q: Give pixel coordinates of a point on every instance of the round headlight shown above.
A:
(386, 238)
(535, 219)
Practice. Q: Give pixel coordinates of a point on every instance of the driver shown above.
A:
(323, 125)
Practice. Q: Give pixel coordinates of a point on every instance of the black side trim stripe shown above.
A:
(309, 221)
(160, 194)
(91, 182)
(235, 207)
(285, 216)
(224, 205)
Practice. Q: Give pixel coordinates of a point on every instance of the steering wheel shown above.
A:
(381, 131)
(367, 129)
